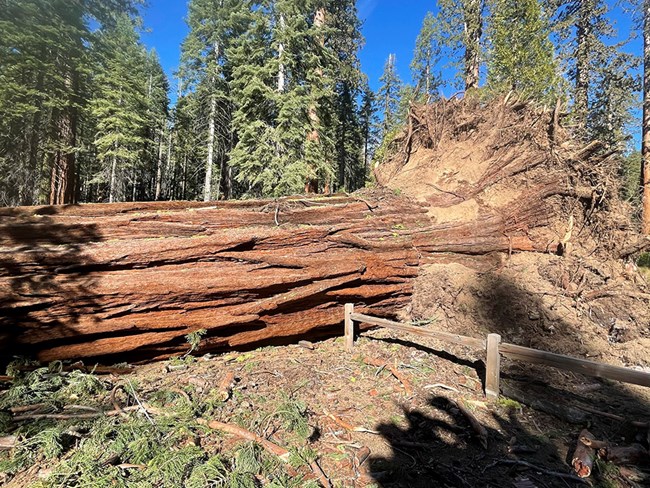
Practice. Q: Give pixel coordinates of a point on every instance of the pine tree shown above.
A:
(521, 55)
(370, 127)
(213, 24)
(591, 58)
(645, 127)
(45, 50)
(157, 116)
(425, 58)
(119, 107)
(460, 31)
(389, 95)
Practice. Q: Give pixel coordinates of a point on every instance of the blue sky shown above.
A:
(389, 26)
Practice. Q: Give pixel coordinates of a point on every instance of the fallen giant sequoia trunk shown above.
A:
(109, 281)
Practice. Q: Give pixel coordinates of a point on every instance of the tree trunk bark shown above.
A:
(473, 25)
(645, 141)
(209, 162)
(159, 165)
(584, 33)
(62, 182)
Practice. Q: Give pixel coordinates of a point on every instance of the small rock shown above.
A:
(534, 315)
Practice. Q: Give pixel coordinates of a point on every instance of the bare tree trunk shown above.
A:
(473, 20)
(111, 190)
(159, 168)
(311, 186)
(583, 33)
(281, 67)
(645, 141)
(207, 187)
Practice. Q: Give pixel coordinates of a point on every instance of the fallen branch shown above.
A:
(346, 426)
(79, 366)
(557, 474)
(6, 379)
(8, 442)
(477, 427)
(632, 455)
(322, 477)
(382, 364)
(225, 386)
(583, 457)
(66, 416)
(28, 408)
(271, 447)
(640, 425)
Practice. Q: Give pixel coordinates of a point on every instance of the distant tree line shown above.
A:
(271, 98)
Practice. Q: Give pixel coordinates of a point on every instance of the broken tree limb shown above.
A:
(557, 474)
(632, 455)
(398, 376)
(282, 453)
(225, 386)
(583, 456)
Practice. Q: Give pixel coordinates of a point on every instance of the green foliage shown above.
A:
(194, 339)
(389, 96)
(425, 59)
(521, 54)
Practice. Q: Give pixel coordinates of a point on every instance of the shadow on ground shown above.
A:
(41, 279)
(437, 446)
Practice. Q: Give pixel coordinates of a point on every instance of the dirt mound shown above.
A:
(511, 166)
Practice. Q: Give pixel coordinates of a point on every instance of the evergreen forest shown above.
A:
(270, 97)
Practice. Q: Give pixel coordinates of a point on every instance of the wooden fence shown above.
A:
(494, 349)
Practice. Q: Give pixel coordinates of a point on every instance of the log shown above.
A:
(129, 281)
(583, 457)
(118, 282)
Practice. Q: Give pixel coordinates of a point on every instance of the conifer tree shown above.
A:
(45, 51)
(119, 107)
(591, 58)
(460, 31)
(425, 58)
(521, 54)
(389, 95)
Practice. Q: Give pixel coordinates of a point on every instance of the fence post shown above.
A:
(493, 365)
(349, 327)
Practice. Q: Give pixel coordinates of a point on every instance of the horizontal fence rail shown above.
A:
(576, 365)
(495, 349)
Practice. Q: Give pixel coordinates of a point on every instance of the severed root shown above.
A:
(400, 377)
(477, 427)
(583, 457)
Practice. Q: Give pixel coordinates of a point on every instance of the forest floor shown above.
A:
(363, 425)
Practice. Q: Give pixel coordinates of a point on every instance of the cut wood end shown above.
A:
(582, 470)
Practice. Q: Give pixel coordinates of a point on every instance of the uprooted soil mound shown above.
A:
(510, 165)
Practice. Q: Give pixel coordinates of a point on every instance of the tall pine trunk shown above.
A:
(311, 185)
(583, 34)
(473, 17)
(645, 141)
(62, 181)
(207, 186)
(159, 165)
(111, 189)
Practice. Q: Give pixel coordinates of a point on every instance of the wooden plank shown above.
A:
(584, 366)
(443, 336)
(493, 367)
(349, 327)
